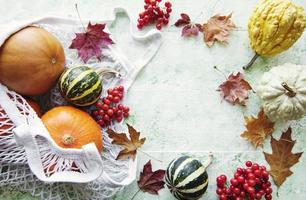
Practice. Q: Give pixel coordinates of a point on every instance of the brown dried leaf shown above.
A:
(150, 181)
(258, 129)
(282, 158)
(130, 146)
(217, 29)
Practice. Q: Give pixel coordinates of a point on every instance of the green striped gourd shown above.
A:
(186, 178)
(81, 85)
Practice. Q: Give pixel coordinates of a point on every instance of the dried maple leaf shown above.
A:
(150, 181)
(130, 145)
(90, 42)
(235, 89)
(189, 29)
(282, 158)
(258, 129)
(217, 29)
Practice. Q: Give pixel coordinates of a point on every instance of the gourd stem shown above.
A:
(101, 71)
(251, 62)
(67, 139)
(209, 160)
(290, 92)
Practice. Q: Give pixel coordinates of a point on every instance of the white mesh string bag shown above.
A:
(31, 160)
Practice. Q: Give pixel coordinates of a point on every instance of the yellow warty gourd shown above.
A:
(275, 26)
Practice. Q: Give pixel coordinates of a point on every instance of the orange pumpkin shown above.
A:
(72, 128)
(31, 61)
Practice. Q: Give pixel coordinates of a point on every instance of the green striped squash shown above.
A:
(80, 85)
(186, 178)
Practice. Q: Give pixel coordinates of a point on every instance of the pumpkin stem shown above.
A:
(101, 71)
(251, 61)
(290, 92)
(67, 139)
(209, 160)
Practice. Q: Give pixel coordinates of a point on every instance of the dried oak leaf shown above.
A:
(150, 181)
(235, 89)
(130, 145)
(258, 129)
(217, 29)
(90, 42)
(282, 158)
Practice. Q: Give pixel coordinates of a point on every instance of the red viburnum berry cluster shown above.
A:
(250, 183)
(154, 14)
(110, 109)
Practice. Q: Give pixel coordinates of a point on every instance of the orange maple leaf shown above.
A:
(258, 129)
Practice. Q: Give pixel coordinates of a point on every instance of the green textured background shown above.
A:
(174, 102)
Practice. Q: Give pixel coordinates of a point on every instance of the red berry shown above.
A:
(251, 190)
(251, 176)
(125, 115)
(95, 113)
(147, 1)
(265, 174)
(169, 10)
(248, 170)
(105, 107)
(269, 190)
(153, 2)
(248, 163)
(166, 21)
(223, 177)
(158, 26)
(251, 182)
(121, 88)
(255, 166)
(158, 0)
(268, 183)
(167, 15)
(110, 112)
(126, 109)
(223, 197)
(101, 122)
(106, 101)
(258, 196)
(268, 196)
(101, 112)
(146, 6)
(257, 173)
(119, 119)
(219, 191)
(237, 191)
(220, 180)
(110, 97)
(99, 104)
(241, 179)
(234, 181)
(116, 99)
(120, 106)
(242, 193)
(109, 91)
(119, 113)
(120, 95)
(106, 117)
(168, 4)
(139, 26)
(239, 170)
(245, 186)
(236, 175)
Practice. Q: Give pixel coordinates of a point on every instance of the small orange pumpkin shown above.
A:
(72, 128)
(31, 61)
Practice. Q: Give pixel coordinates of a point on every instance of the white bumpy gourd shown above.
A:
(282, 91)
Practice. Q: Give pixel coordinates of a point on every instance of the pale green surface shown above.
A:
(174, 101)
